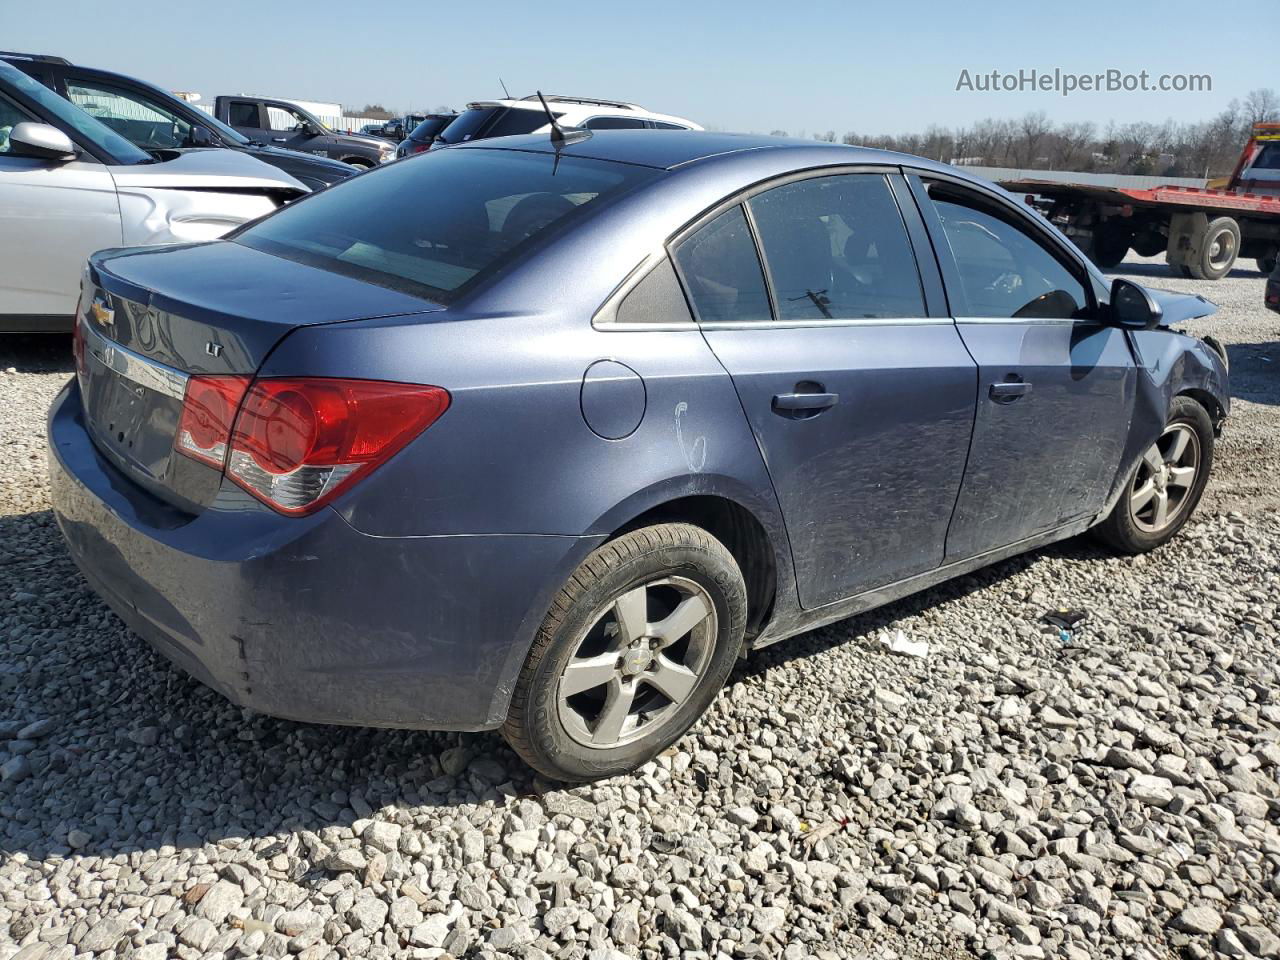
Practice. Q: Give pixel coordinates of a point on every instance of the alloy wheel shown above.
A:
(642, 658)
(1222, 250)
(1162, 486)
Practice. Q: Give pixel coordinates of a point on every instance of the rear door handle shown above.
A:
(279, 139)
(802, 405)
(1009, 391)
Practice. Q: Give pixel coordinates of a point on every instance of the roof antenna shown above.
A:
(505, 92)
(559, 135)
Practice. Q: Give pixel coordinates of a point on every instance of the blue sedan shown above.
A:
(542, 434)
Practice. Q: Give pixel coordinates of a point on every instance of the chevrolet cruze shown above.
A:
(542, 434)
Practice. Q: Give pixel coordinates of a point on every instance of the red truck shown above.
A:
(1201, 230)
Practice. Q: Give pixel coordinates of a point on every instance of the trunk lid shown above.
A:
(150, 318)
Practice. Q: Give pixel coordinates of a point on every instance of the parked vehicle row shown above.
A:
(111, 120)
(283, 124)
(478, 440)
(154, 119)
(70, 185)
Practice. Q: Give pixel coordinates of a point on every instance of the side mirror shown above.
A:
(41, 140)
(310, 129)
(1133, 306)
(201, 136)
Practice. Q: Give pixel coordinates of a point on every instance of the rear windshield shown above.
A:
(484, 122)
(440, 225)
(429, 127)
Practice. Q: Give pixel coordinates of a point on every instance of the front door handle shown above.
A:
(279, 139)
(801, 406)
(1009, 391)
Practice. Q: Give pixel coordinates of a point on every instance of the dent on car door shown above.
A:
(859, 396)
(1056, 385)
(53, 214)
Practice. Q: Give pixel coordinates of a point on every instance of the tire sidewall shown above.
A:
(547, 735)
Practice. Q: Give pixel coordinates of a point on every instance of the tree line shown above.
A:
(1208, 148)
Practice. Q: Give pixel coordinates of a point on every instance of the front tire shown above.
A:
(1218, 250)
(636, 646)
(1166, 485)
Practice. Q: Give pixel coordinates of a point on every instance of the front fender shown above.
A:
(1169, 364)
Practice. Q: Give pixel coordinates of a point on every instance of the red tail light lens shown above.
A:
(77, 348)
(298, 443)
(208, 411)
(419, 148)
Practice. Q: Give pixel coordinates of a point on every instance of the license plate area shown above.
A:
(132, 405)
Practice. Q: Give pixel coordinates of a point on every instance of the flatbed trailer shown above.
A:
(1202, 231)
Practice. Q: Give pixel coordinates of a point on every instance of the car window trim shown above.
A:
(1016, 217)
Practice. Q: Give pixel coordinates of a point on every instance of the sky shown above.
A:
(804, 67)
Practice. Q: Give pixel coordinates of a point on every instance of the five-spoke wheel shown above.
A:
(636, 645)
(1162, 486)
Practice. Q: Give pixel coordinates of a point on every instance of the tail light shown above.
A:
(208, 411)
(419, 148)
(77, 348)
(297, 443)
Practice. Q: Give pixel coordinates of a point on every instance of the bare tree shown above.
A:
(1262, 106)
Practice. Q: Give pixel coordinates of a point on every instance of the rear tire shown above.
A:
(1134, 525)
(1110, 247)
(598, 653)
(1218, 250)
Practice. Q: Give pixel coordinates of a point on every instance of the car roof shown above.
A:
(668, 149)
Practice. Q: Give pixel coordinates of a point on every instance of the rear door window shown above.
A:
(460, 217)
(242, 113)
(614, 123)
(836, 249)
(721, 271)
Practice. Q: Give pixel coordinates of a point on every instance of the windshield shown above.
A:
(1268, 157)
(430, 127)
(483, 122)
(94, 131)
(438, 226)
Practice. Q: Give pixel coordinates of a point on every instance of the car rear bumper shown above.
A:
(307, 618)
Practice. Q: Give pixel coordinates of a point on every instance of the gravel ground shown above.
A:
(1008, 795)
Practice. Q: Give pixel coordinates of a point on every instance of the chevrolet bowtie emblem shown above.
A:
(102, 314)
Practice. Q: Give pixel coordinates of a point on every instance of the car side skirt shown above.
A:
(805, 620)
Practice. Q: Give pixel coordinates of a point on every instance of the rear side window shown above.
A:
(663, 125)
(721, 271)
(1005, 272)
(836, 249)
(614, 123)
(439, 226)
(242, 114)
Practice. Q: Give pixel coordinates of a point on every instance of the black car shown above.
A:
(154, 119)
(424, 134)
(1272, 298)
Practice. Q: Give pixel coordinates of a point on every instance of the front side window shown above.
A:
(435, 227)
(10, 117)
(145, 124)
(282, 120)
(721, 271)
(1004, 271)
(71, 118)
(836, 249)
